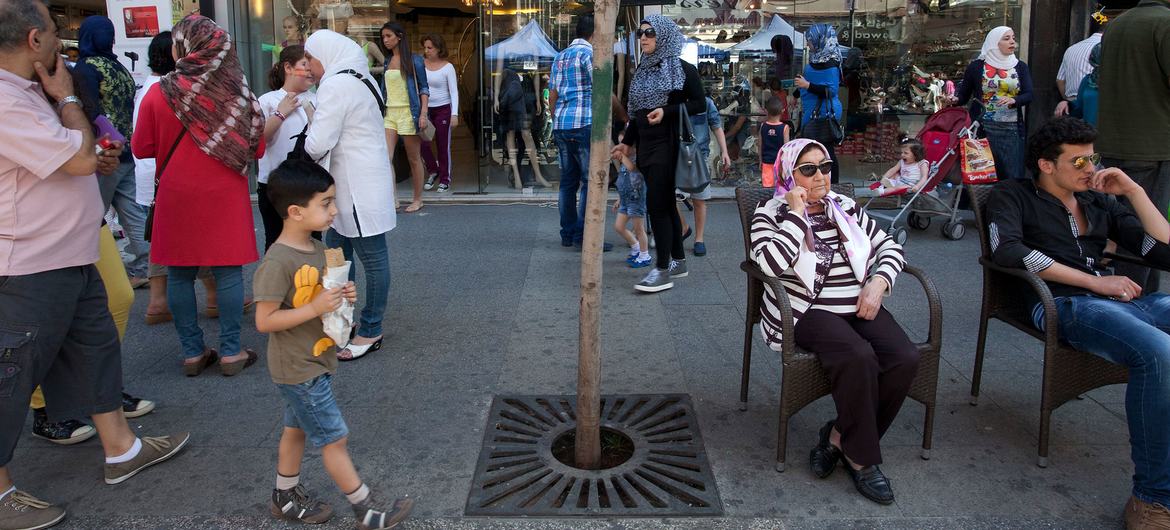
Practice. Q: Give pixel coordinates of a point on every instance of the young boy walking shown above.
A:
(301, 361)
(631, 206)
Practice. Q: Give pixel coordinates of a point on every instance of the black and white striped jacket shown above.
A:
(776, 240)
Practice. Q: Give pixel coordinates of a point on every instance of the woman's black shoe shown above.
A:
(872, 484)
(824, 457)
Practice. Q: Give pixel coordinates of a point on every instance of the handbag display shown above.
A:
(823, 128)
(977, 164)
(690, 171)
(149, 229)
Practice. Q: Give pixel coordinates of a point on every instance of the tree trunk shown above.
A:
(588, 439)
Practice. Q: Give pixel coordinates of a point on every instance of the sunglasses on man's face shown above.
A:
(809, 170)
(648, 32)
(1081, 162)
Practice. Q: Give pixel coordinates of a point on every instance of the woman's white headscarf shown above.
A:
(337, 53)
(991, 54)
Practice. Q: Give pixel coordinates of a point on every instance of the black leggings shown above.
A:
(273, 224)
(664, 219)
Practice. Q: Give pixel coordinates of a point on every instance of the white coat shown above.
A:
(347, 126)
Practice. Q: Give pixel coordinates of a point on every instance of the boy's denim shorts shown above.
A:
(310, 407)
(631, 189)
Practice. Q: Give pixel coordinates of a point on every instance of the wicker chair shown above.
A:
(802, 379)
(1068, 372)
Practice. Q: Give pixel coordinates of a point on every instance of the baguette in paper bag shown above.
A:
(337, 323)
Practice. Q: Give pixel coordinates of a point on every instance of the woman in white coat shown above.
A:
(347, 129)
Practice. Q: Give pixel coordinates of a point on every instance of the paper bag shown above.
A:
(978, 164)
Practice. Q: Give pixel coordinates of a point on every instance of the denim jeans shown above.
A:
(573, 155)
(229, 293)
(1007, 146)
(118, 190)
(375, 258)
(1134, 335)
(312, 408)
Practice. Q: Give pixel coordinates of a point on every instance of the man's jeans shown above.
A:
(573, 154)
(1154, 177)
(118, 190)
(375, 257)
(1133, 335)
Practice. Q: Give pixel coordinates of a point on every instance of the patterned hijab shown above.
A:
(208, 93)
(854, 241)
(822, 38)
(991, 54)
(660, 72)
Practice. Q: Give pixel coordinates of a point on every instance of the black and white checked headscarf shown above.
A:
(660, 72)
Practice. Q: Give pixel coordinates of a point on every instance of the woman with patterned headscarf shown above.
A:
(1001, 84)
(1085, 106)
(836, 264)
(203, 127)
(820, 82)
(661, 85)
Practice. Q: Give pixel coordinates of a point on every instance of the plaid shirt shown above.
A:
(572, 78)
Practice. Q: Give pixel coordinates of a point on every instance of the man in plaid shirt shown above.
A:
(571, 98)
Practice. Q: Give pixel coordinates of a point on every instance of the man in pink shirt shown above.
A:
(55, 327)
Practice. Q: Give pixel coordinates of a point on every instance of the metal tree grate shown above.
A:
(668, 474)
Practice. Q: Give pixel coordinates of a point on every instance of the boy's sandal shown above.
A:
(354, 351)
(233, 368)
(193, 369)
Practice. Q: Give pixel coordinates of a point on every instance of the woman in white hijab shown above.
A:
(1003, 85)
(346, 137)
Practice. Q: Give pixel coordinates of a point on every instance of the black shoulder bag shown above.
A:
(157, 173)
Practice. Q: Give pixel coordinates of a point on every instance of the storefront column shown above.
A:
(1048, 39)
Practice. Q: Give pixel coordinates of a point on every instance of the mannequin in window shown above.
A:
(509, 103)
(374, 57)
(334, 15)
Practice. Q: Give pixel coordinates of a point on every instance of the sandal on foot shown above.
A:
(233, 368)
(158, 318)
(354, 351)
(193, 369)
(412, 208)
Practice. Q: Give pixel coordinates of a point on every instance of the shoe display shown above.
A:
(657, 280)
(372, 517)
(154, 450)
(871, 483)
(296, 505)
(678, 268)
(825, 456)
(134, 407)
(66, 432)
(21, 510)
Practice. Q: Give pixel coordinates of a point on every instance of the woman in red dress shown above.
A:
(203, 126)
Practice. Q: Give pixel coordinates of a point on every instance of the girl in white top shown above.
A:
(909, 175)
(287, 110)
(442, 111)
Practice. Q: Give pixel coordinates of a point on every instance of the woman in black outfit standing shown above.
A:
(661, 84)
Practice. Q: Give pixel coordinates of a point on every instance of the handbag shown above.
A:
(978, 164)
(149, 229)
(823, 128)
(690, 170)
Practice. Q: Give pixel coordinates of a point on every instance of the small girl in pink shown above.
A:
(911, 173)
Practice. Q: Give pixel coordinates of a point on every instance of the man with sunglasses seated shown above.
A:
(1057, 226)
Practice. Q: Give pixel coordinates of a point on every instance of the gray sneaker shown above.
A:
(371, 515)
(154, 450)
(656, 280)
(678, 268)
(21, 511)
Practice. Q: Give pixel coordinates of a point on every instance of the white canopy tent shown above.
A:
(762, 40)
(527, 44)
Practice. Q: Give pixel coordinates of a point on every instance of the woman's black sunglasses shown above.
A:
(809, 170)
(648, 32)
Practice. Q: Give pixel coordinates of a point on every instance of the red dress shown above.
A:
(203, 209)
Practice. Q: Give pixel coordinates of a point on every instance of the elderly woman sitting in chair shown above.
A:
(835, 265)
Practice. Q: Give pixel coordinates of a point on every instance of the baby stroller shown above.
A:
(940, 138)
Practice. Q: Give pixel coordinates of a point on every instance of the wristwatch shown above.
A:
(67, 100)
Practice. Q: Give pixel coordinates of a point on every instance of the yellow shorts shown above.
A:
(400, 119)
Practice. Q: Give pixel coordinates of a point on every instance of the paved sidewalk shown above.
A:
(484, 301)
